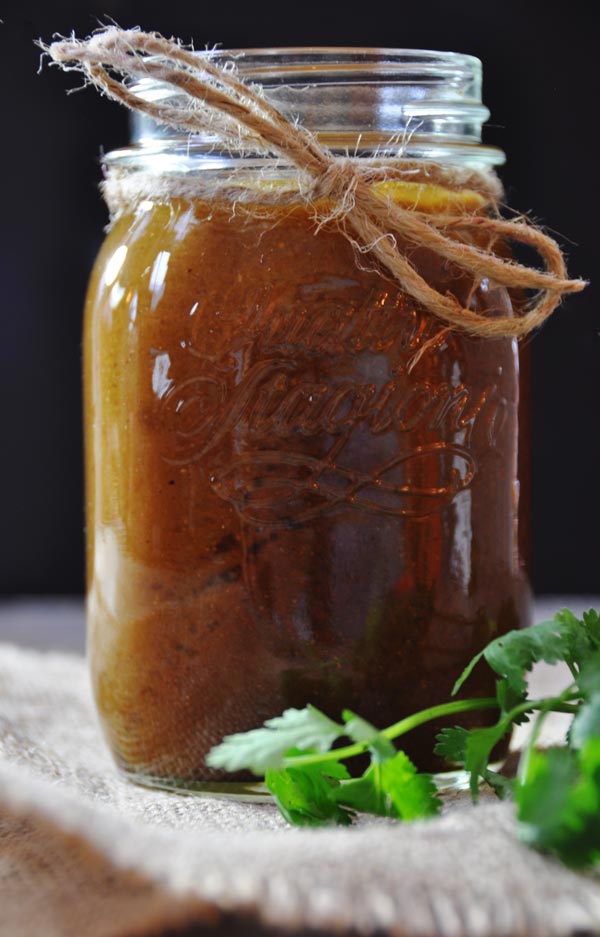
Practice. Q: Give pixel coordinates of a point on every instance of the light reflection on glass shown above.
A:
(111, 271)
(157, 277)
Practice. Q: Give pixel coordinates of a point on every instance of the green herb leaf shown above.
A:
(392, 788)
(514, 654)
(586, 724)
(558, 803)
(359, 730)
(451, 744)
(557, 792)
(591, 622)
(458, 746)
(306, 796)
(414, 795)
(478, 748)
(588, 677)
(508, 699)
(502, 786)
(565, 638)
(582, 636)
(263, 749)
(366, 793)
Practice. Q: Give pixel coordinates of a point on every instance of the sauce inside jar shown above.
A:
(286, 503)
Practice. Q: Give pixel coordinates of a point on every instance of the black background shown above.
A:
(540, 84)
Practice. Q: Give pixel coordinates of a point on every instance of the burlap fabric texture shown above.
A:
(86, 853)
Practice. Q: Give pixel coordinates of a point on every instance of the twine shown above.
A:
(218, 102)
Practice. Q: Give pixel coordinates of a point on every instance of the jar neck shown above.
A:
(366, 103)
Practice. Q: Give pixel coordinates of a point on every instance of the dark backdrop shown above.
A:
(540, 84)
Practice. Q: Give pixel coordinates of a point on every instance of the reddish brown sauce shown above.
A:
(279, 511)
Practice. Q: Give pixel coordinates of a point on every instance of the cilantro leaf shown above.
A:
(508, 699)
(558, 803)
(451, 744)
(457, 746)
(306, 796)
(513, 655)
(478, 748)
(557, 794)
(467, 672)
(359, 730)
(263, 749)
(366, 794)
(582, 636)
(392, 788)
(501, 785)
(414, 795)
(588, 678)
(586, 724)
(591, 621)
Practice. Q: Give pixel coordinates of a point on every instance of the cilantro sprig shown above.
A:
(302, 753)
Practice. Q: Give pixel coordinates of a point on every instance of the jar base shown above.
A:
(256, 792)
(448, 781)
(252, 791)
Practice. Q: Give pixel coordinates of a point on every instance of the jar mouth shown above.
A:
(424, 103)
(288, 60)
(283, 62)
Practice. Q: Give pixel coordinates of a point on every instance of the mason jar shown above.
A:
(301, 487)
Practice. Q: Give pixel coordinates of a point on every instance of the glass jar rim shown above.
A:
(427, 103)
(400, 57)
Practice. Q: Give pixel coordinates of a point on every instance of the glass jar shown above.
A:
(286, 504)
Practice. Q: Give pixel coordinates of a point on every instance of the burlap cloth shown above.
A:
(86, 853)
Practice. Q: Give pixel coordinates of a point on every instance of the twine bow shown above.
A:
(215, 100)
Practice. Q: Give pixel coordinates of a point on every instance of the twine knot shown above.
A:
(215, 100)
(337, 181)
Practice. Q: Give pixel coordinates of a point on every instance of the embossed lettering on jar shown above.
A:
(301, 487)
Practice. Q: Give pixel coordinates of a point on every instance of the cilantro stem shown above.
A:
(558, 704)
(443, 709)
(394, 731)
